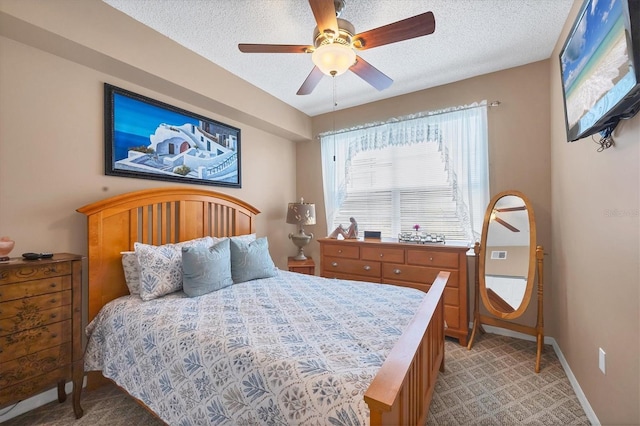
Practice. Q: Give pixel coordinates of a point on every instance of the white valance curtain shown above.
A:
(461, 135)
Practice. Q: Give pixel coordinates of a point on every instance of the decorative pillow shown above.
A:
(161, 266)
(131, 271)
(251, 260)
(206, 270)
(246, 238)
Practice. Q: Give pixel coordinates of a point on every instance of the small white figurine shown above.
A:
(347, 233)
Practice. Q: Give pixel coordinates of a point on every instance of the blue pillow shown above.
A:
(251, 260)
(206, 269)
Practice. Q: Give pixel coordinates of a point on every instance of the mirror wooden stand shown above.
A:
(507, 259)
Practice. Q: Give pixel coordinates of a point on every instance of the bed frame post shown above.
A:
(401, 392)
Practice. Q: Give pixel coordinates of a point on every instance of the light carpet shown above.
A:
(493, 384)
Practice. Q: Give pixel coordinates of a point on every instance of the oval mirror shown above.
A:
(508, 255)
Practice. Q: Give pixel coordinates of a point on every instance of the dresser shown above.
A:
(41, 328)
(411, 265)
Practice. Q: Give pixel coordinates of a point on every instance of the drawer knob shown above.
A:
(367, 268)
(381, 255)
(334, 264)
(52, 301)
(52, 285)
(397, 271)
(431, 259)
(54, 335)
(340, 251)
(54, 315)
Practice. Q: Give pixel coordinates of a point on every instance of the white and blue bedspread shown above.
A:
(292, 349)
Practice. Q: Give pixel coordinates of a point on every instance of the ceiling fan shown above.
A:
(335, 44)
(507, 225)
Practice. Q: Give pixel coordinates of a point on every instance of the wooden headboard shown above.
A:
(153, 216)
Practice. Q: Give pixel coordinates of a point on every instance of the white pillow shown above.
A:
(161, 266)
(131, 271)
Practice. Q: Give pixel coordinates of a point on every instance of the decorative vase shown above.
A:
(6, 245)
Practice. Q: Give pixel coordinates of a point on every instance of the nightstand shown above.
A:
(302, 266)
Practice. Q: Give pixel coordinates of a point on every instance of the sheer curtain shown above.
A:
(460, 135)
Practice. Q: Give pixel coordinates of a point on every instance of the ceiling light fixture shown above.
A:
(334, 53)
(334, 58)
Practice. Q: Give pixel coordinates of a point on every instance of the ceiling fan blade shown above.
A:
(371, 74)
(511, 209)
(325, 13)
(274, 48)
(507, 225)
(310, 82)
(413, 27)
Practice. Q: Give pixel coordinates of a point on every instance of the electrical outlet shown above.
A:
(601, 360)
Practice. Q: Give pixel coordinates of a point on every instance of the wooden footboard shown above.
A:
(401, 392)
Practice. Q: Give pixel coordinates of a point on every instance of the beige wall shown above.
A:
(54, 59)
(595, 258)
(519, 150)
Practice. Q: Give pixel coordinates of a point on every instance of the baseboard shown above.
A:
(591, 415)
(34, 402)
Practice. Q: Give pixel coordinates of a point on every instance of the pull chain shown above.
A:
(333, 116)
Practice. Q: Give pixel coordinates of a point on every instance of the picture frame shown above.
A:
(149, 139)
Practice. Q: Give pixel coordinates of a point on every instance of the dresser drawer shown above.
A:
(363, 268)
(34, 271)
(34, 288)
(417, 286)
(27, 388)
(32, 318)
(394, 255)
(339, 276)
(33, 365)
(451, 295)
(342, 251)
(416, 274)
(452, 317)
(37, 339)
(432, 258)
(37, 303)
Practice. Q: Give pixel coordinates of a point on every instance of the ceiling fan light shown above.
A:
(333, 58)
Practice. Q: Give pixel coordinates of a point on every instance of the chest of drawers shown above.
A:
(409, 265)
(41, 327)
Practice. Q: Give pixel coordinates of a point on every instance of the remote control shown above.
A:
(36, 256)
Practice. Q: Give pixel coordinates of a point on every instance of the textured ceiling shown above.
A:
(472, 37)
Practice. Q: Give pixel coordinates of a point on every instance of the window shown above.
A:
(430, 170)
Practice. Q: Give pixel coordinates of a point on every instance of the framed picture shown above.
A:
(149, 139)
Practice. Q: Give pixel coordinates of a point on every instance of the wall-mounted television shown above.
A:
(600, 66)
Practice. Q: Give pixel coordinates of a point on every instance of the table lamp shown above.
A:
(301, 214)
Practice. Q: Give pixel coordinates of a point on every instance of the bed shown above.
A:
(392, 340)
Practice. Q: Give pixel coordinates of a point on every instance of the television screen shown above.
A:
(599, 71)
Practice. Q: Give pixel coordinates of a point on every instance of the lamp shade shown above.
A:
(333, 58)
(301, 213)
